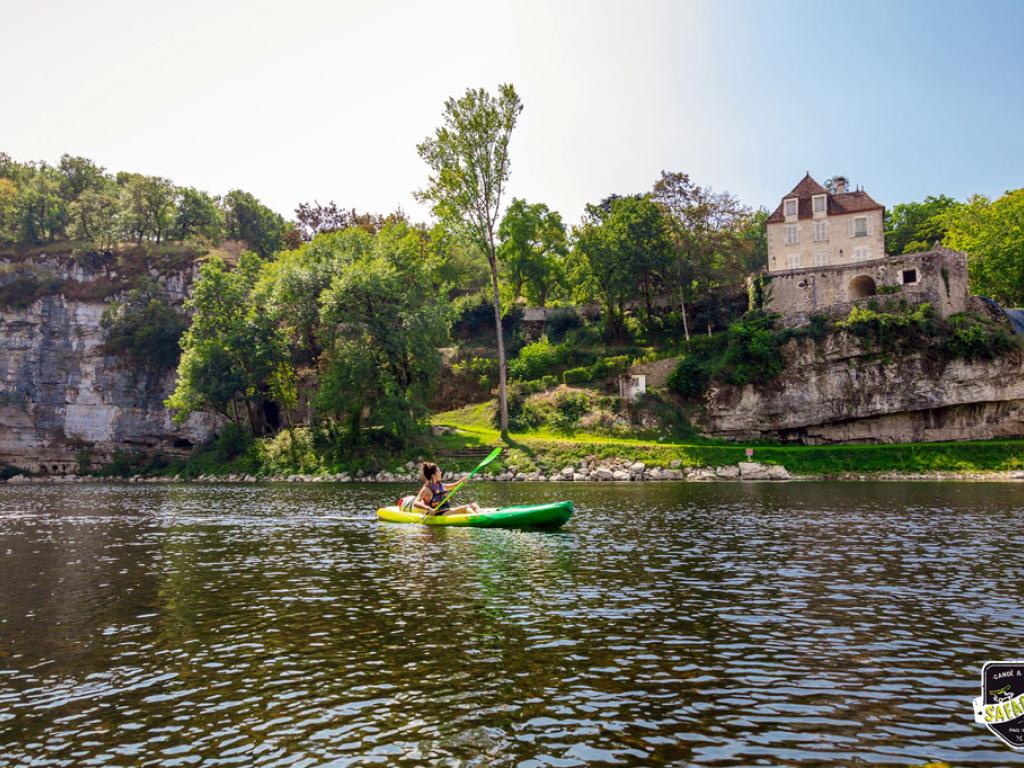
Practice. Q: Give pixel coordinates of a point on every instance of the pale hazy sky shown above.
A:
(305, 99)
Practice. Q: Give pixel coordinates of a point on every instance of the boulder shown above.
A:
(728, 472)
(751, 468)
(637, 467)
(17, 479)
(603, 473)
(567, 471)
(620, 475)
(675, 464)
(578, 477)
(778, 472)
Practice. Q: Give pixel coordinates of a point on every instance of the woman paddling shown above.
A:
(433, 493)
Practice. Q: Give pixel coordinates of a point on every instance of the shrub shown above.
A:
(563, 320)
(610, 366)
(972, 339)
(892, 327)
(536, 359)
(144, 328)
(577, 375)
(690, 378)
(570, 407)
(752, 353)
(290, 450)
(483, 369)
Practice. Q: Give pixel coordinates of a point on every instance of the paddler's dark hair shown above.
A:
(428, 469)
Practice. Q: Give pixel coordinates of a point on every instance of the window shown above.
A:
(821, 259)
(794, 260)
(792, 234)
(860, 226)
(819, 203)
(860, 254)
(791, 206)
(909, 276)
(820, 231)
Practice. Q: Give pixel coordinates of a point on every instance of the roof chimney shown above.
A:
(840, 182)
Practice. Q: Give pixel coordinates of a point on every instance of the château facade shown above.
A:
(826, 253)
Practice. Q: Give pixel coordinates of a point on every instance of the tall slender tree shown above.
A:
(469, 165)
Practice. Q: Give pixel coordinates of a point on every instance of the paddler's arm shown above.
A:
(421, 501)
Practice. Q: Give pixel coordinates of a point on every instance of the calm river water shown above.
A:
(667, 624)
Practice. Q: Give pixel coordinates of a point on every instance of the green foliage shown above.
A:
(482, 369)
(888, 290)
(198, 216)
(626, 246)
(21, 285)
(144, 328)
(247, 219)
(690, 378)
(570, 407)
(536, 359)
(971, 338)
(147, 206)
(992, 233)
(290, 451)
(533, 245)
(915, 227)
(231, 350)
(894, 327)
(581, 375)
(752, 353)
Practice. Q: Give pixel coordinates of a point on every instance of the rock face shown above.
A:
(63, 399)
(836, 391)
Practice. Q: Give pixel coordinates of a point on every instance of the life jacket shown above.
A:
(437, 493)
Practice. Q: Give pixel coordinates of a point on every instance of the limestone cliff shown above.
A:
(62, 398)
(839, 391)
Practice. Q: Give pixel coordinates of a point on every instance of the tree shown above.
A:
(8, 211)
(95, 219)
(715, 238)
(247, 219)
(144, 328)
(79, 174)
(533, 243)
(42, 212)
(469, 165)
(232, 351)
(627, 246)
(915, 227)
(198, 215)
(991, 233)
(381, 356)
(147, 206)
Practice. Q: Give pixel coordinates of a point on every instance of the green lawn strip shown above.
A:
(548, 450)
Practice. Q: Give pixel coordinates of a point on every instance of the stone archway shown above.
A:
(862, 286)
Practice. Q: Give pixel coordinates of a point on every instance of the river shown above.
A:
(716, 624)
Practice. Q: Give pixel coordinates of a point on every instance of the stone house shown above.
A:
(826, 252)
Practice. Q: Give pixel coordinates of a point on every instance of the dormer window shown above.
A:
(818, 203)
(790, 206)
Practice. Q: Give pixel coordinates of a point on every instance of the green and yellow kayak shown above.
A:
(537, 516)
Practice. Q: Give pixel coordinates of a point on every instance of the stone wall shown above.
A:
(838, 391)
(940, 278)
(62, 397)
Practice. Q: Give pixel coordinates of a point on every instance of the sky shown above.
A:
(296, 100)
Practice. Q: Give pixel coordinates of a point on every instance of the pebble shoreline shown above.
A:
(592, 472)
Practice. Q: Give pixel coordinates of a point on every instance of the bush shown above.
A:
(536, 360)
(753, 351)
(610, 366)
(483, 369)
(570, 407)
(289, 451)
(972, 339)
(563, 320)
(690, 378)
(577, 376)
(144, 328)
(891, 328)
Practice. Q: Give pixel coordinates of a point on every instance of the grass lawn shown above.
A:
(554, 450)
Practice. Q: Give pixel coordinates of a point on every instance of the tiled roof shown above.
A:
(847, 202)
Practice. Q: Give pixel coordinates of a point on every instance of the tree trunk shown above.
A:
(502, 396)
(682, 310)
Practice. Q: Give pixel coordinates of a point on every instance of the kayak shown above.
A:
(543, 516)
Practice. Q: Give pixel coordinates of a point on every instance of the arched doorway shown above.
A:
(862, 286)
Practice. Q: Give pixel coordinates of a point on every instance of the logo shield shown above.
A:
(1000, 708)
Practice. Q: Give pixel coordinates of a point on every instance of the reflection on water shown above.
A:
(720, 624)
